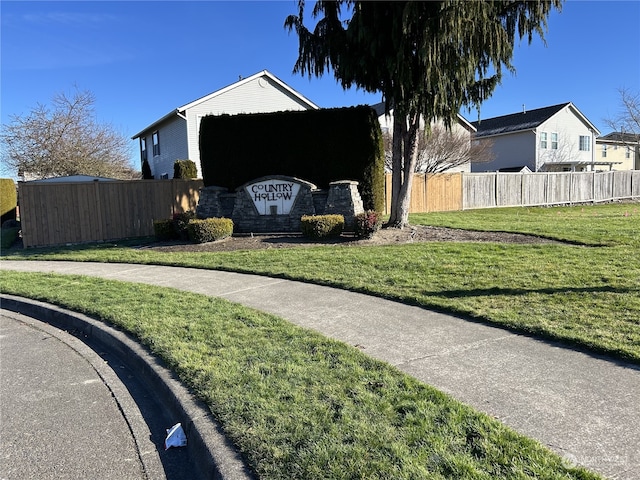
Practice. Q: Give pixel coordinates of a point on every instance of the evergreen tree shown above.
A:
(427, 59)
(146, 170)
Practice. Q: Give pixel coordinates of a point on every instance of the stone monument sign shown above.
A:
(277, 203)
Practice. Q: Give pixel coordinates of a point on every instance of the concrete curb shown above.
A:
(212, 452)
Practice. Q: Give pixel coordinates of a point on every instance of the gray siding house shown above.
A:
(175, 136)
(550, 139)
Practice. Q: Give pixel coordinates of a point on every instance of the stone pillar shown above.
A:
(209, 204)
(344, 199)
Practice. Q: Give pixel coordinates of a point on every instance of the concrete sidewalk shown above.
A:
(583, 406)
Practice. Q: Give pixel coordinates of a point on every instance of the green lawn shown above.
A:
(586, 293)
(299, 405)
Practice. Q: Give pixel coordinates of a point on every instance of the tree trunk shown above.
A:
(399, 134)
(405, 148)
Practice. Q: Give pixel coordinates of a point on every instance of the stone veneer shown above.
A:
(342, 198)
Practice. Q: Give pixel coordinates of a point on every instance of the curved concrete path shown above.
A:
(583, 406)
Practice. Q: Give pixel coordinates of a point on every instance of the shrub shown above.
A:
(209, 229)
(322, 226)
(8, 199)
(367, 223)
(181, 222)
(8, 236)
(185, 169)
(11, 223)
(164, 230)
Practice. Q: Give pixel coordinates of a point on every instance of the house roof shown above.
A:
(179, 111)
(618, 137)
(263, 73)
(526, 120)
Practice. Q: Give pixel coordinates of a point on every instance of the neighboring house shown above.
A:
(463, 126)
(558, 138)
(622, 150)
(175, 136)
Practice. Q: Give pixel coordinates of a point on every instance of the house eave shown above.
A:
(155, 124)
(466, 124)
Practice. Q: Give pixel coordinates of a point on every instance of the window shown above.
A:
(543, 139)
(156, 144)
(554, 141)
(143, 148)
(604, 151)
(585, 143)
(627, 153)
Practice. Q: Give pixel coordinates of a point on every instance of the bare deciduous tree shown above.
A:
(628, 118)
(626, 124)
(65, 139)
(441, 150)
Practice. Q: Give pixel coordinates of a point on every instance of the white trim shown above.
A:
(466, 123)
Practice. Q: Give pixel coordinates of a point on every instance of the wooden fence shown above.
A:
(431, 193)
(463, 191)
(488, 190)
(66, 213)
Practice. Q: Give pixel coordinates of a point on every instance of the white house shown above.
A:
(175, 136)
(462, 127)
(555, 138)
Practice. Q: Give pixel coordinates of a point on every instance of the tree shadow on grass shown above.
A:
(498, 291)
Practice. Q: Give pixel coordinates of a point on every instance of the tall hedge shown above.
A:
(8, 200)
(320, 146)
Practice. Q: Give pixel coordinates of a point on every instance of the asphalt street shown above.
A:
(59, 418)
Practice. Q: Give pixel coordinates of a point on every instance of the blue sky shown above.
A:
(142, 59)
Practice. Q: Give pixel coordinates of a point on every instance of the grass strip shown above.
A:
(299, 405)
(605, 224)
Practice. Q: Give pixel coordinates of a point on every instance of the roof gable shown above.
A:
(263, 73)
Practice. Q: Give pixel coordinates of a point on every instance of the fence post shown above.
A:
(462, 191)
(98, 207)
(570, 187)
